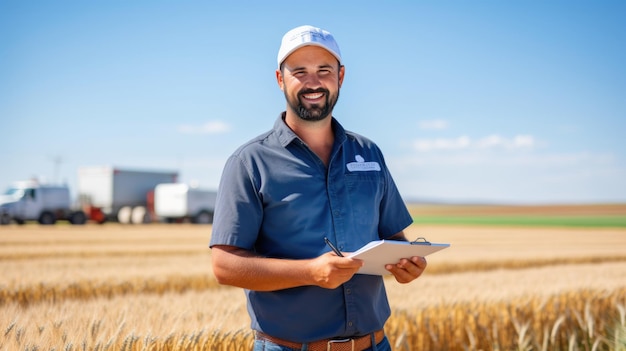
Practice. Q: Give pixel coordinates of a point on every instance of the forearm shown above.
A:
(241, 268)
(238, 267)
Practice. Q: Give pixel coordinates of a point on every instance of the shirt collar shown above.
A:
(286, 135)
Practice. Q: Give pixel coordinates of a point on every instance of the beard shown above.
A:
(315, 112)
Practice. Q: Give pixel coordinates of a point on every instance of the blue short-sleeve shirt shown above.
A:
(278, 199)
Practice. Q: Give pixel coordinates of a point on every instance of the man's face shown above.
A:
(310, 79)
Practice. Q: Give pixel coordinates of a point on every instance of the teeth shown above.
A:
(313, 96)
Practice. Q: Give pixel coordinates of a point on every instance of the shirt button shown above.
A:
(349, 324)
(348, 291)
(336, 212)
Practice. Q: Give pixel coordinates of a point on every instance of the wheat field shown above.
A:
(150, 287)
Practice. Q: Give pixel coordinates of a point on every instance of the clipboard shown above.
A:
(378, 253)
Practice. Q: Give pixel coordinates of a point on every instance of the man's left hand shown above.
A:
(407, 270)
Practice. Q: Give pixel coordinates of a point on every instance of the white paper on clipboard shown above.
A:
(378, 253)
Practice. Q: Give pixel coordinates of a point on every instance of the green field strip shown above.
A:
(531, 221)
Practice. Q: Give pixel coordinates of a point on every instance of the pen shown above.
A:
(333, 247)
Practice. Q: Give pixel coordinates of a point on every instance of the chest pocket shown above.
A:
(365, 191)
(364, 181)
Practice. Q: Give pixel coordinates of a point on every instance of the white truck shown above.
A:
(29, 200)
(177, 202)
(123, 195)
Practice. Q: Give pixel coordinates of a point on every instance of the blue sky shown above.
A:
(470, 101)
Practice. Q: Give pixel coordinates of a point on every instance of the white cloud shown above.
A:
(524, 141)
(433, 124)
(491, 142)
(426, 145)
(464, 143)
(210, 127)
(497, 141)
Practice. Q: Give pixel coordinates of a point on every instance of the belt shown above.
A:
(352, 344)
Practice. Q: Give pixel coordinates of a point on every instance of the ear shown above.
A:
(279, 79)
(342, 71)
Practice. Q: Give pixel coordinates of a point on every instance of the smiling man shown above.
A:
(285, 191)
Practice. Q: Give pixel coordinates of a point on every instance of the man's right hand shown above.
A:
(330, 271)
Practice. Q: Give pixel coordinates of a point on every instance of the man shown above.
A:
(283, 192)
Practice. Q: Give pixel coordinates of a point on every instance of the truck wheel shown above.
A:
(123, 215)
(47, 218)
(204, 217)
(140, 215)
(78, 218)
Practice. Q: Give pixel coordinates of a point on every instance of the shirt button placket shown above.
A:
(350, 307)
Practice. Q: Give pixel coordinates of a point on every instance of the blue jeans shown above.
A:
(264, 345)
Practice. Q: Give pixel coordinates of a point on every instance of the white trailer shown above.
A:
(181, 202)
(122, 194)
(30, 200)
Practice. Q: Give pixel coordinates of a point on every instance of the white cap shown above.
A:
(307, 35)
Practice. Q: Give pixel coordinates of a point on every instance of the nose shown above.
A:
(313, 81)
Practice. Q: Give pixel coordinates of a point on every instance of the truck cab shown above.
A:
(29, 200)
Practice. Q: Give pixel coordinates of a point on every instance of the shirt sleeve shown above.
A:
(238, 208)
